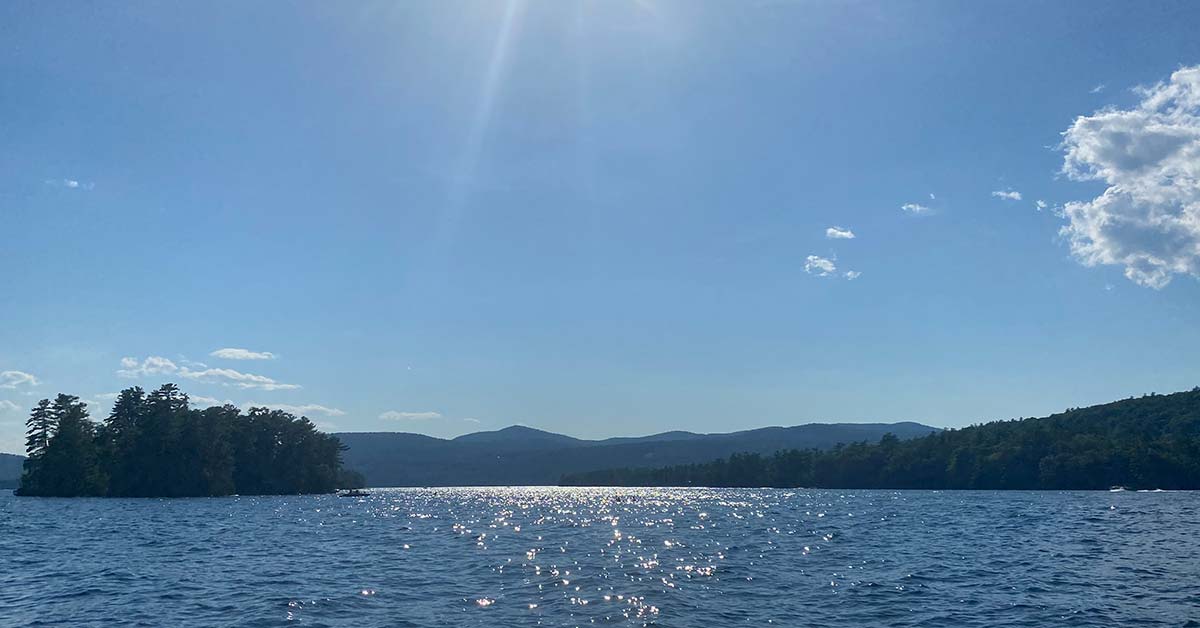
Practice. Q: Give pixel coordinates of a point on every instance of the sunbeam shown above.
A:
(468, 162)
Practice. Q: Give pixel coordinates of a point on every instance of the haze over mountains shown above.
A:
(520, 455)
(10, 470)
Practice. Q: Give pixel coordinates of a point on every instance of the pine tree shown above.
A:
(120, 439)
(40, 429)
(70, 466)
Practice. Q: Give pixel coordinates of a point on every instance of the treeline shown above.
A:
(155, 445)
(1149, 442)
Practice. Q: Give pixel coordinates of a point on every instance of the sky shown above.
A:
(600, 218)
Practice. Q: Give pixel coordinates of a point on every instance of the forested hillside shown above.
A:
(1147, 442)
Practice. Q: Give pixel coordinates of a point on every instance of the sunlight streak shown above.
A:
(469, 160)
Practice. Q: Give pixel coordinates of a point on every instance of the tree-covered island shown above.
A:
(156, 445)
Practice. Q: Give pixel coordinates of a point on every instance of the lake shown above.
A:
(579, 557)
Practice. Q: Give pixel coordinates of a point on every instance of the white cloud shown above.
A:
(153, 365)
(231, 353)
(1040, 204)
(819, 266)
(230, 377)
(158, 365)
(13, 379)
(838, 233)
(8, 406)
(1148, 218)
(72, 184)
(396, 415)
(917, 209)
(303, 409)
(1008, 195)
(852, 275)
(1097, 89)
(932, 197)
(472, 420)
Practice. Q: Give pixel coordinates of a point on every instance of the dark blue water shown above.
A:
(579, 557)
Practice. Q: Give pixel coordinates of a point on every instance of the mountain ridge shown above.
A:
(521, 455)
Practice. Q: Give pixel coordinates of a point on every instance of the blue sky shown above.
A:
(600, 218)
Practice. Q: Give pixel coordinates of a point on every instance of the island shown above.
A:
(156, 445)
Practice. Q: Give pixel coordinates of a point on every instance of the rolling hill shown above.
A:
(520, 455)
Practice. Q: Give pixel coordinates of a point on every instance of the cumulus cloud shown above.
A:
(14, 379)
(819, 266)
(838, 233)
(1040, 204)
(158, 365)
(153, 365)
(917, 209)
(396, 415)
(1147, 220)
(231, 353)
(1008, 195)
(302, 409)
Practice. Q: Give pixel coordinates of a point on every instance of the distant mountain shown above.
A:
(10, 470)
(518, 437)
(1144, 443)
(521, 455)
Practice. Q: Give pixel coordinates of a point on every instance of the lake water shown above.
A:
(582, 557)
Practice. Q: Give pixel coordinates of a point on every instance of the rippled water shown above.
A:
(574, 557)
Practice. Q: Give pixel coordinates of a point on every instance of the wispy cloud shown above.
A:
(14, 379)
(301, 409)
(158, 365)
(838, 233)
(396, 415)
(231, 353)
(1097, 89)
(1040, 204)
(72, 184)
(1008, 195)
(917, 209)
(8, 406)
(1147, 219)
(852, 275)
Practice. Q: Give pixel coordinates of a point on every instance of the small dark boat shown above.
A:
(354, 493)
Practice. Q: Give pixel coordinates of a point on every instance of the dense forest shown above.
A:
(1148, 442)
(155, 445)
